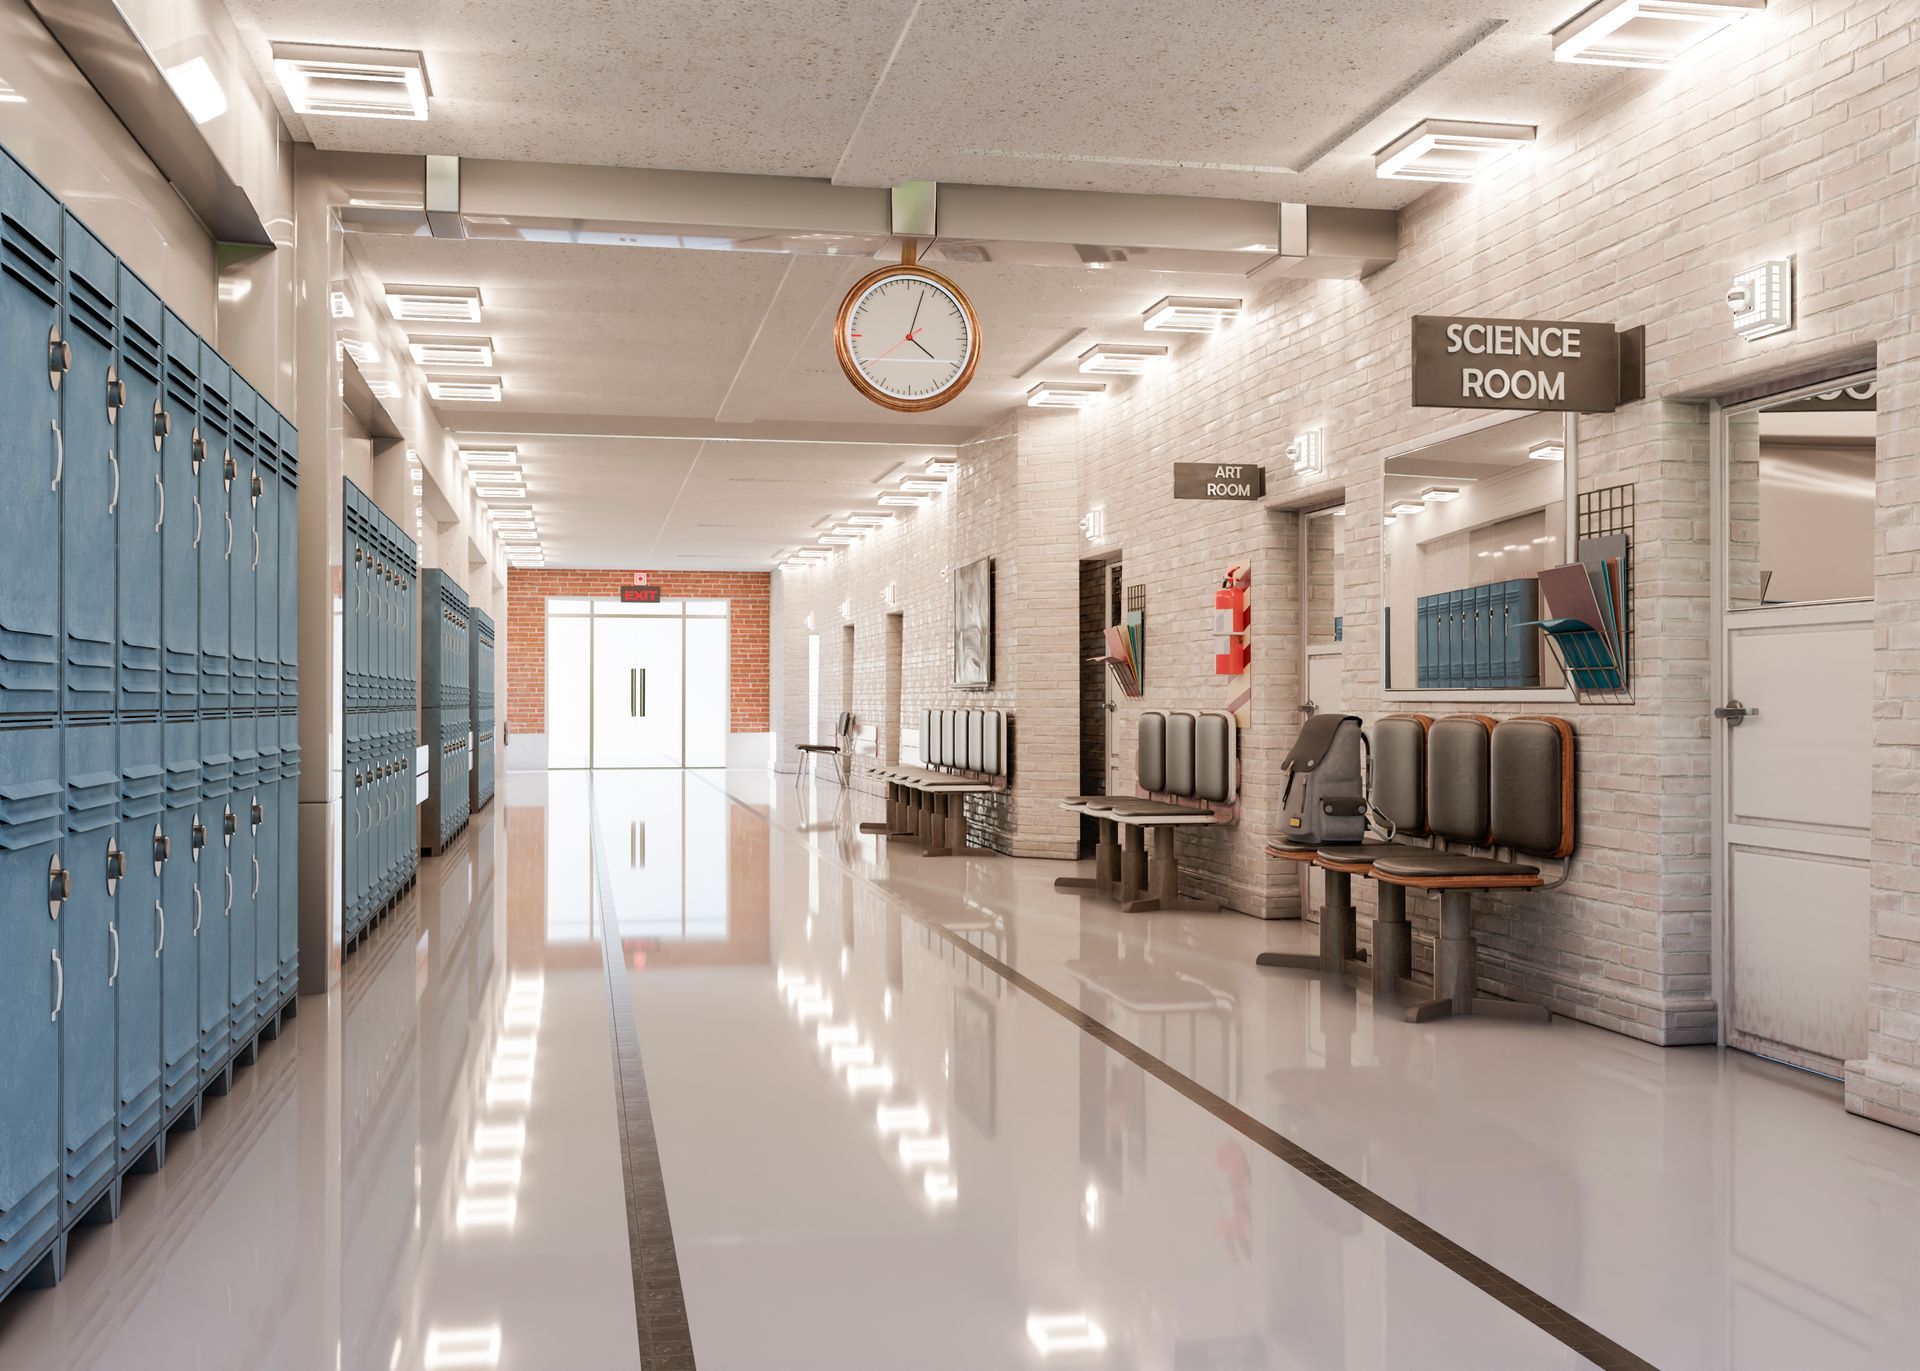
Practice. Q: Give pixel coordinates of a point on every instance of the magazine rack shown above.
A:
(1594, 674)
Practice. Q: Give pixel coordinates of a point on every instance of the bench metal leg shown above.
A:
(895, 825)
(1456, 965)
(1106, 864)
(1339, 952)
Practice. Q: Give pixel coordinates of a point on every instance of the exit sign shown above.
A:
(639, 595)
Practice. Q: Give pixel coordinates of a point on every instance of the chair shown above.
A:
(837, 749)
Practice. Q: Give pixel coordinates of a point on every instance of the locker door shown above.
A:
(184, 524)
(180, 896)
(31, 348)
(89, 958)
(31, 823)
(357, 845)
(242, 933)
(266, 577)
(216, 886)
(289, 616)
(266, 900)
(243, 566)
(217, 470)
(90, 480)
(139, 937)
(289, 829)
(137, 430)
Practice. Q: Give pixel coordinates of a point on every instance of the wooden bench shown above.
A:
(966, 753)
(1187, 769)
(1489, 788)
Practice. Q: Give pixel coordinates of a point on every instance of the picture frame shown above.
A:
(973, 626)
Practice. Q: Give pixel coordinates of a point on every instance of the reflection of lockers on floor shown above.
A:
(1480, 637)
(480, 700)
(378, 654)
(148, 744)
(445, 707)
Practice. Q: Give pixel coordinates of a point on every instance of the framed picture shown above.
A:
(973, 625)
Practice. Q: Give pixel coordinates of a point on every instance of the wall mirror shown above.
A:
(1472, 517)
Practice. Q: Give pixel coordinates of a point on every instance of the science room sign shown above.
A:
(1539, 364)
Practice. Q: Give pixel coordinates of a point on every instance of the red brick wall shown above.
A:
(527, 592)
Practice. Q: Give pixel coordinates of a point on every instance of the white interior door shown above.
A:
(1323, 679)
(638, 691)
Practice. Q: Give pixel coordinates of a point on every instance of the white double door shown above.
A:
(637, 690)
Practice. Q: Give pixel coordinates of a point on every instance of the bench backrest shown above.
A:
(1459, 797)
(1531, 764)
(1188, 754)
(969, 740)
(1400, 772)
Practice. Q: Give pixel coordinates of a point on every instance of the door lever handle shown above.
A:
(1735, 713)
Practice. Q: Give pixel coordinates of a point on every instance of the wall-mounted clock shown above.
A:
(907, 337)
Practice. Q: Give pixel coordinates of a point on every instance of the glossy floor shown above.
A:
(880, 1152)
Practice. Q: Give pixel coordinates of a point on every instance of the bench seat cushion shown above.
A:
(1451, 865)
(1091, 801)
(1155, 809)
(1358, 854)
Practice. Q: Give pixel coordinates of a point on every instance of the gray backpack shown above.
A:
(1325, 798)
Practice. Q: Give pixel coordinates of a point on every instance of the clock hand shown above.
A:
(917, 343)
(916, 315)
(908, 339)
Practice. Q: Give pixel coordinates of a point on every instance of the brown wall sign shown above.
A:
(1461, 363)
(1218, 481)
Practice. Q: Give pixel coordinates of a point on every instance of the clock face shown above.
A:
(907, 338)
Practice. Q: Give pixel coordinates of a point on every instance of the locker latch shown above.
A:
(59, 356)
(116, 395)
(116, 865)
(230, 825)
(162, 424)
(198, 837)
(162, 849)
(255, 488)
(198, 447)
(59, 886)
(257, 814)
(228, 468)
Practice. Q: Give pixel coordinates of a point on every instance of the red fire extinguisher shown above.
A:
(1232, 623)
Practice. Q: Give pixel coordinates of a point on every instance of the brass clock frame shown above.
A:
(908, 267)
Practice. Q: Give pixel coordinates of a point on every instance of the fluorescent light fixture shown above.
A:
(903, 499)
(514, 518)
(921, 1151)
(519, 535)
(490, 456)
(921, 485)
(1647, 33)
(451, 352)
(1439, 494)
(486, 1211)
(1067, 394)
(1191, 314)
(870, 520)
(342, 307)
(1552, 450)
(1762, 299)
(493, 476)
(352, 83)
(840, 539)
(1307, 452)
(943, 467)
(852, 530)
(1054, 1334)
(363, 354)
(895, 1118)
(940, 1187)
(434, 304)
(491, 493)
(1405, 507)
(448, 1348)
(476, 389)
(199, 89)
(1120, 359)
(1450, 150)
(1391, 520)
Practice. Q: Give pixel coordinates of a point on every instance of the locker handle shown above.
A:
(229, 514)
(113, 974)
(59, 457)
(160, 915)
(196, 909)
(161, 487)
(196, 519)
(256, 550)
(228, 873)
(256, 878)
(59, 987)
(113, 501)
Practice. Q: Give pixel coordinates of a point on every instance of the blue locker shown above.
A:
(1423, 641)
(90, 475)
(185, 522)
(180, 897)
(217, 471)
(289, 529)
(88, 956)
(32, 357)
(289, 829)
(32, 801)
(138, 420)
(139, 937)
(216, 889)
(266, 851)
(243, 567)
(1523, 640)
(266, 575)
(1483, 641)
(244, 867)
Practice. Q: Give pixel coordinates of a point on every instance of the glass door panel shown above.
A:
(709, 692)
(569, 691)
(638, 690)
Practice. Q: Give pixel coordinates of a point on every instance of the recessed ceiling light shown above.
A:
(1066, 394)
(474, 389)
(352, 83)
(451, 352)
(490, 456)
(870, 520)
(1440, 494)
(1550, 451)
(1450, 150)
(943, 467)
(1405, 507)
(1191, 314)
(852, 529)
(364, 354)
(434, 304)
(921, 485)
(502, 492)
(497, 476)
(903, 499)
(1120, 359)
(840, 539)
(341, 305)
(1647, 33)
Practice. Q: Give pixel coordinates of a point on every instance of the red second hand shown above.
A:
(907, 339)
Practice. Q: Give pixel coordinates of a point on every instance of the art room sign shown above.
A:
(1535, 364)
(1218, 481)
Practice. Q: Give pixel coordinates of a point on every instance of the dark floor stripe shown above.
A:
(659, 1302)
(1536, 1309)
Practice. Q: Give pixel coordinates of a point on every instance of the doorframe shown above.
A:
(1720, 575)
(1303, 633)
(592, 618)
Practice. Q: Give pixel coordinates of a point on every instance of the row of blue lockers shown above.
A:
(480, 691)
(381, 836)
(151, 500)
(381, 566)
(446, 708)
(1480, 637)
